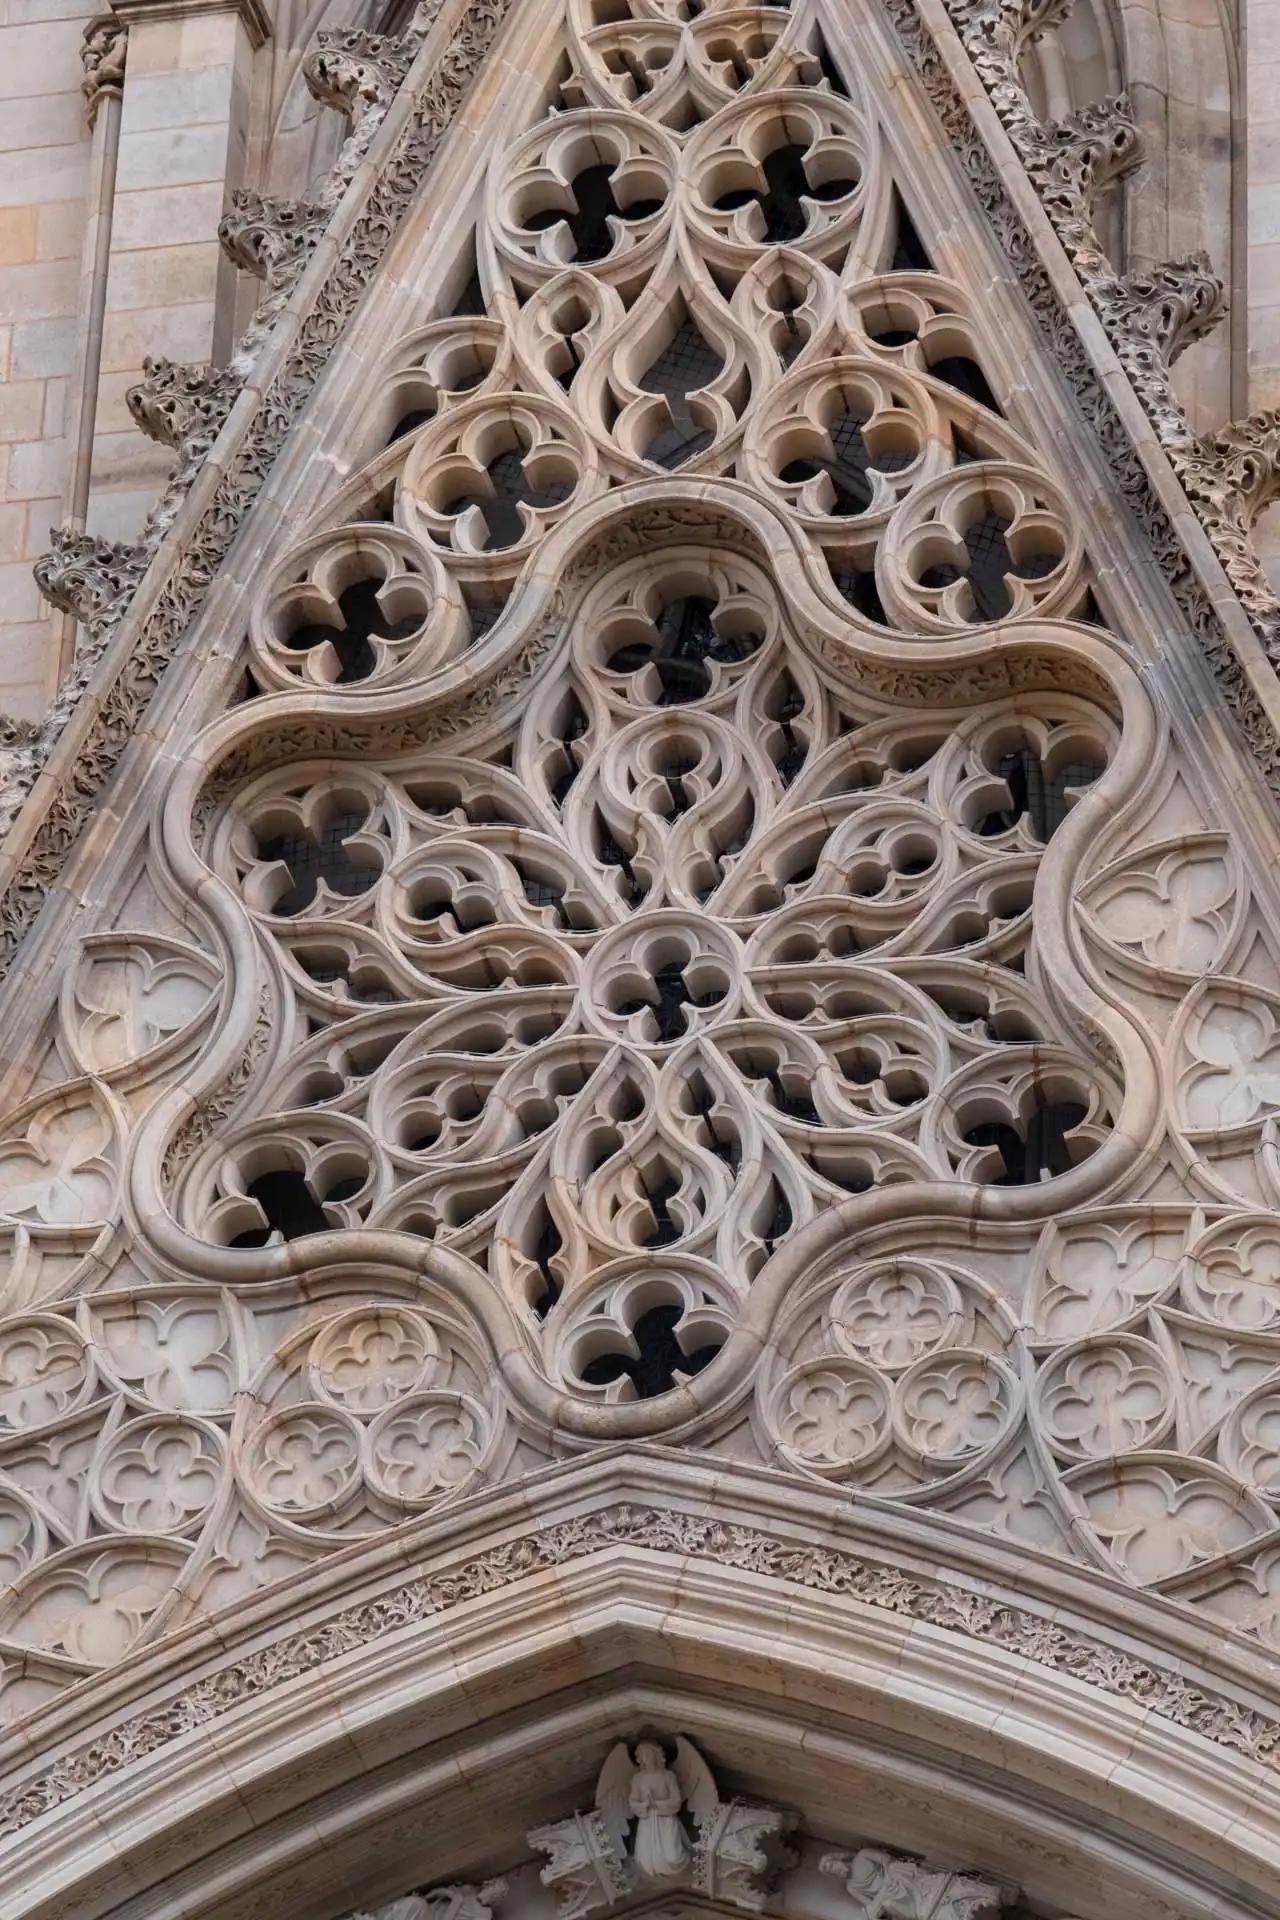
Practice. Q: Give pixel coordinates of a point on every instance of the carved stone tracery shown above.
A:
(685, 803)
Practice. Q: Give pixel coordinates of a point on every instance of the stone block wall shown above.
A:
(44, 161)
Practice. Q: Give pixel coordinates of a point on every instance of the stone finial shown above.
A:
(884, 1886)
(102, 56)
(659, 1821)
(89, 577)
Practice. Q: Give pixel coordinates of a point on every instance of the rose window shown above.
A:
(691, 952)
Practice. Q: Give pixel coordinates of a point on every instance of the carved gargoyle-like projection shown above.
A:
(659, 1822)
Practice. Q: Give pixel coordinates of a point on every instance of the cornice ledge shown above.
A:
(253, 14)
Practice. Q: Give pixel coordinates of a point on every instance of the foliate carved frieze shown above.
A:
(665, 824)
(1164, 1690)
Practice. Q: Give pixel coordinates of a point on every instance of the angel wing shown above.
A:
(701, 1795)
(613, 1793)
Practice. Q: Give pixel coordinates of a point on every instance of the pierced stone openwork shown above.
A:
(689, 926)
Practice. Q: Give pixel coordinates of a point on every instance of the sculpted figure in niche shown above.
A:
(653, 1794)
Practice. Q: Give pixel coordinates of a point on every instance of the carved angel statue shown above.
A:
(645, 1789)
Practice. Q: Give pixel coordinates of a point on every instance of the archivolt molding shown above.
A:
(1025, 1647)
(691, 927)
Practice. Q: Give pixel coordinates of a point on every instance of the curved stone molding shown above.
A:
(1199, 610)
(195, 565)
(892, 1613)
(690, 821)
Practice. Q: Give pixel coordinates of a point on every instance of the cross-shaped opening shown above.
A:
(787, 184)
(592, 205)
(363, 619)
(1041, 797)
(312, 858)
(684, 638)
(990, 560)
(291, 1208)
(503, 489)
(661, 1357)
(671, 994)
(1037, 1152)
(848, 464)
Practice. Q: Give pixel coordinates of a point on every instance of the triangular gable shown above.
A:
(691, 876)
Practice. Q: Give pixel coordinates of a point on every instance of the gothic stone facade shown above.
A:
(640, 1188)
